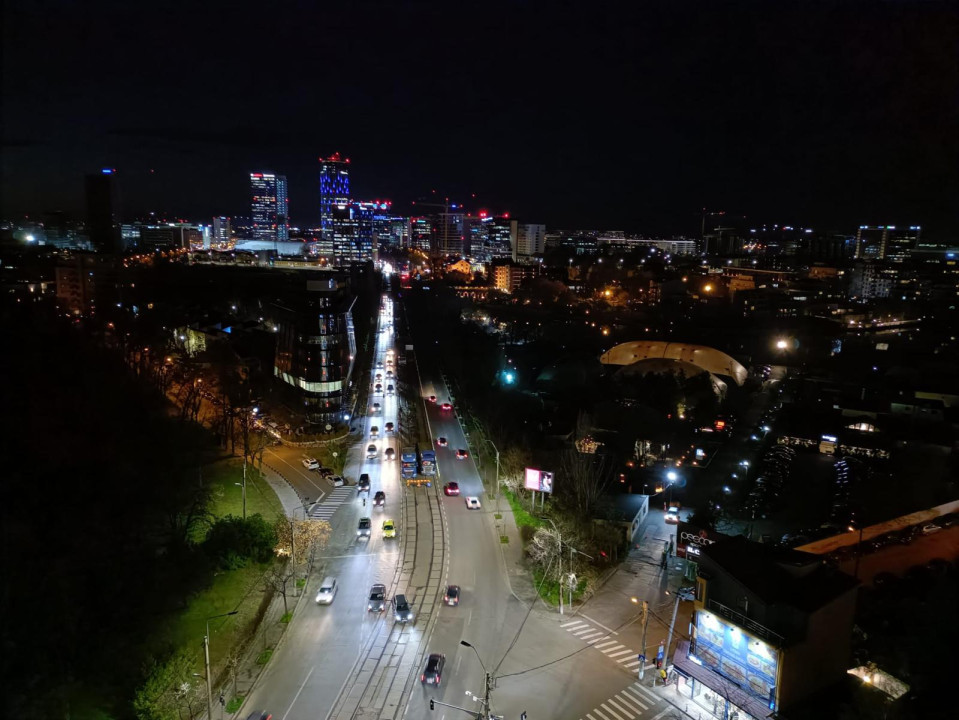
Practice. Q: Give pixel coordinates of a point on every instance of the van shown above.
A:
(327, 591)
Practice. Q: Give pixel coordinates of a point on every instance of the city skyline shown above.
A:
(827, 117)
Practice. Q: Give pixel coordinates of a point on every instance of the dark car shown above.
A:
(365, 528)
(363, 484)
(433, 672)
(377, 601)
(259, 715)
(452, 595)
(402, 611)
(379, 500)
(451, 488)
(442, 441)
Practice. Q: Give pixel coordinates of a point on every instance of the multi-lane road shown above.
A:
(342, 661)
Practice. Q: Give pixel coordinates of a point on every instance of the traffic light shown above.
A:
(432, 705)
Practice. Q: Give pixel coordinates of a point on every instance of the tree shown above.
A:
(278, 578)
(583, 479)
(234, 541)
(301, 536)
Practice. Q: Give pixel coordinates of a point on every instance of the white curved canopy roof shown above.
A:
(710, 359)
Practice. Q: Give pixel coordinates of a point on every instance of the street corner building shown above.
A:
(771, 627)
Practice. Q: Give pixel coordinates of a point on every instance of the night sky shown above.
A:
(582, 114)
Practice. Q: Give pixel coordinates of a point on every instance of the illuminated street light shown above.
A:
(781, 344)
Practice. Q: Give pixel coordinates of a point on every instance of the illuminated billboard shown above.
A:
(736, 654)
(539, 480)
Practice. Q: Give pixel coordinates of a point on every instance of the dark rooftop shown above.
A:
(780, 576)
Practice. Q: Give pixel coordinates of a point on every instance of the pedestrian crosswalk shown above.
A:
(603, 641)
(630, 704)
(331, 503)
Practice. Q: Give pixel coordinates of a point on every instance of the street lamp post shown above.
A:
(685, 593)
(488, 680)
(642, 652)
(559, 557)
(206, 661)
(852, 528)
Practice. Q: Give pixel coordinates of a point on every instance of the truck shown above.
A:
(407, 463)
(428, 462)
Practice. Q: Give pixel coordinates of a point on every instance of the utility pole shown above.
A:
(681, 594)
(206, 662)
(642, 653)
(244, 486)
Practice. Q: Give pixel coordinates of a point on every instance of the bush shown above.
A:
(526, 532)
(233, 541)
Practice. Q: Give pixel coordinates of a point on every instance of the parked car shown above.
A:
(310, 463)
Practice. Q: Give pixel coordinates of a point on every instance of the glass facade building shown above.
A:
(334, 193)
(270, 207)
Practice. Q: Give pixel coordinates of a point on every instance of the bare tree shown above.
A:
(279, 577)
(583, 480)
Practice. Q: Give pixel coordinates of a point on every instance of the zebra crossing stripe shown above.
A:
(596, 710)
(590, 717)
(621, 652)
(624, 710)
(574, 622)
(645, 692)
(632, 663)
(637, 695)
(605, 644)
(582, 631)
(595, 634)
(610, 711)
(626, 659)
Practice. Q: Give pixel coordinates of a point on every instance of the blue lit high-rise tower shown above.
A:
(334, 192)
(270, 207)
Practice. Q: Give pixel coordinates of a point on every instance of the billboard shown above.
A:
(539, 480)
(736, 654)
(690, 540)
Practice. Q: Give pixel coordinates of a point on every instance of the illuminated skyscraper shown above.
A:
(334, 193)
(886, 242)
(270, 207)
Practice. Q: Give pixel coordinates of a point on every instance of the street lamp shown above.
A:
(206, 661)
(852, 528)
(489, 678)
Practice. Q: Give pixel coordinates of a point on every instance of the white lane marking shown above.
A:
(647, 693)
(596, 710)
(298, 692)
(610, 711)
(625, 659)
(632, 663)
(583, 631)
(617, 654)
(600, 625)
(606, 644)
(630, 690)
(656, 717)
(593, 635)
(574, 622)
(611, 649)
(622, 708)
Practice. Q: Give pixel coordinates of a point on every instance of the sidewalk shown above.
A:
(514, 561)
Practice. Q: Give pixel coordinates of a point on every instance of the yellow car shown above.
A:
(389, 529)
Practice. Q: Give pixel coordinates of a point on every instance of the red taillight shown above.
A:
(422, 678)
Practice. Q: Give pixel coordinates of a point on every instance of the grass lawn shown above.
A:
(521, 515)
(228, 497)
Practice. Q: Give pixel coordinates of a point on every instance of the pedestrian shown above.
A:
(662, 675)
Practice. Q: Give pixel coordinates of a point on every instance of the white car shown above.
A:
(371, 452)
(473, 503)
(310, 463)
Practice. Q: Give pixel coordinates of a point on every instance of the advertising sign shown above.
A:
(690, 540)
(539, 480)
(739, 656)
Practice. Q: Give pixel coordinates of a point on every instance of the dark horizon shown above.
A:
(634, 119)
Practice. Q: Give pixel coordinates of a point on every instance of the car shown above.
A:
(378, 389)
(442, 442)
(389, 374)
(672, 515)
(433, 672)
(377, 601)
(452, 595)
(337, 480)
(379, 500)
(371, 452)
(374, 432)
(930, 528)
(473, 502)
(451, 488)
(432, 398)
(379, 365)
(376, 408)
(310, 463)
(327, 591)
(461, 454)
(364, 528)
(379, 377)
(389, 454)
(390, 427)
(402, 612)
(390, 390)
(260, 715)
(363, 484)
(447, 406)
(389, 529)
